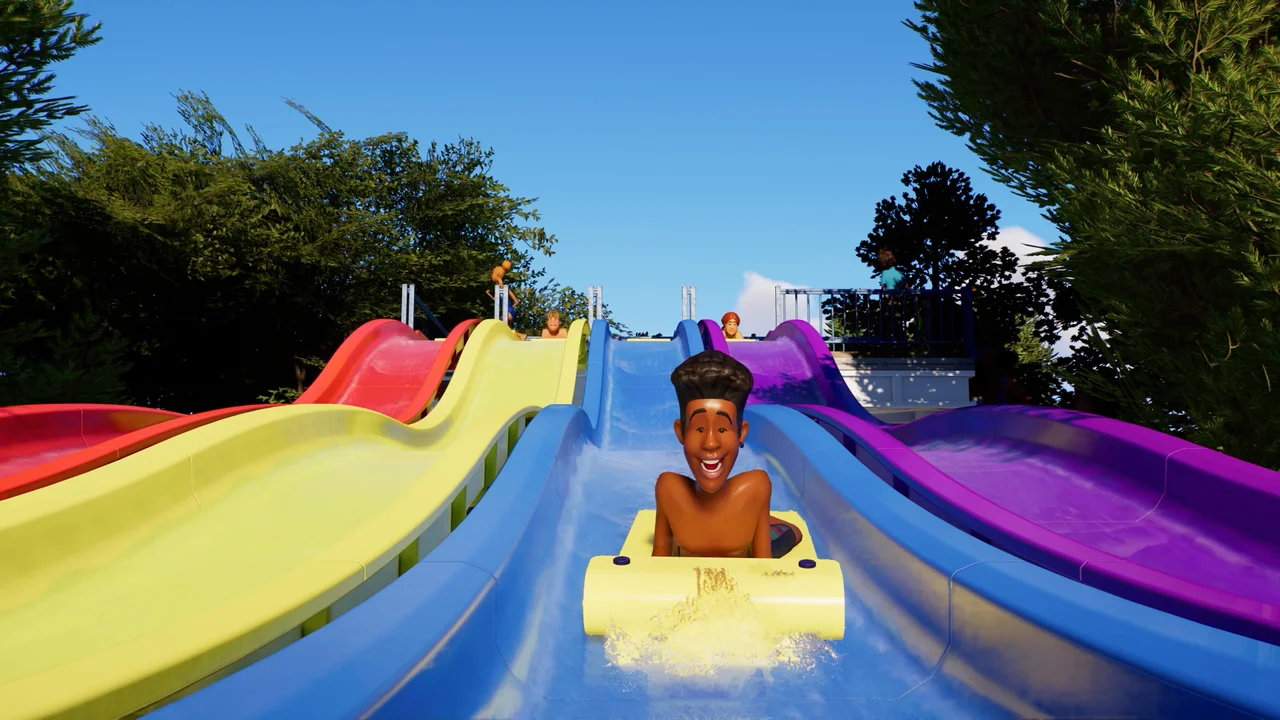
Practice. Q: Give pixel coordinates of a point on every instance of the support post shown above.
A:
(595, 303)
(777, 305)
(411, 306)
(688, 302)
(966, 304)
(500, 302)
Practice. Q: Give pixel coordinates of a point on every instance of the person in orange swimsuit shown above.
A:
(496, 276)
(708, 513)
(730, 323)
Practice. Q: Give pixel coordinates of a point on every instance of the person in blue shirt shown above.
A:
(890, 276)
(891, 279)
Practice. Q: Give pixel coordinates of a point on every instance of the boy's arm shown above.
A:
(661, 534)
(762, 542)
(661, 526)
(546, 333)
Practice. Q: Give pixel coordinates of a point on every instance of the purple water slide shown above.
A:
(786, 368)
(1134, 512)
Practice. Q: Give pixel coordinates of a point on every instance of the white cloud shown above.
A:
(755, 304)
(1023, 243)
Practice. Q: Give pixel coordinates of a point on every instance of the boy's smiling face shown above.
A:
(711, 436)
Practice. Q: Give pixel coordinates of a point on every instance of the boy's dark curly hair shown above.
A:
(709, 375)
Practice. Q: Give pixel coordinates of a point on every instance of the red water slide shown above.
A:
(383, 366)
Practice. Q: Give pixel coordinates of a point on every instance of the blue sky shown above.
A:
(727, 145)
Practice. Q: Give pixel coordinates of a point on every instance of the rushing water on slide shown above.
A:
(870, 673)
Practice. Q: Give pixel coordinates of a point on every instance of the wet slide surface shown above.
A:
(1126, 500)
(220, 541)
(791, 366)
(1097, 506)
(1152, 500)
(382, 366)
(37, 434)
(502, 600)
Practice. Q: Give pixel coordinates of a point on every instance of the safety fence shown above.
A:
(884, 323)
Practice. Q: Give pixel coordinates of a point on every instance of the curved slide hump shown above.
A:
(634, 375)
(229, 541)
(55, 442)
(791, 366)
(948, 626)
(387, 366)
(1137, 513)
(382, 366)
(36, 434)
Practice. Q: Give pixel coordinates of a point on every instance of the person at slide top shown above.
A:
(711, 514)
(496, 277)
(554, 328)
(729, 323)
(890, 276)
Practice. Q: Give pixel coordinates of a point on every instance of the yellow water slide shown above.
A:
(129, 586)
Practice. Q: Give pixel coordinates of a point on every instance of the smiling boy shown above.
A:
(712, 514)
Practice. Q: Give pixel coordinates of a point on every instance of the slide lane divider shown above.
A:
(441, 525)
(1037, 643)
(357, 667)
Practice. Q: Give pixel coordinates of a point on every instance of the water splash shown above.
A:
(716, 630)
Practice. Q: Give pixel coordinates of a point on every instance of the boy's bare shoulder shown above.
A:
(669, 481)
(754, 481)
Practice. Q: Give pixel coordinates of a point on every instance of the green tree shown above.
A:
(35, 34)
(941, 232)
(943, 236)
(535, 303)
(229, 269)
(1146, 130)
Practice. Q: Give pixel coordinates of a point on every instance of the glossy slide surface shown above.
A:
(383, 366)
(791, 366)
(36, 434)
(1142, 514)
(1149, 517)
(940, 625)
(125, 585)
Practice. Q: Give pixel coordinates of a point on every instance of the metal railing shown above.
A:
(889, 323)
(501, 303)
(595, 302)
(688, 302)
(409, 302)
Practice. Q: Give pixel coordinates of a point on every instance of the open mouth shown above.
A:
(712, 466)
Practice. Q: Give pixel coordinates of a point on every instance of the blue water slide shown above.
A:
(939, 624)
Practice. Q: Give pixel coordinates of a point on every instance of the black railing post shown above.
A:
(423, 306)
(966, 303)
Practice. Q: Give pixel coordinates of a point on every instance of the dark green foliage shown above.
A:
(229, 269)
(531, 313)
(940, 232)
(942, 235)
(34, 34)
(1147, 130)
(79, 359)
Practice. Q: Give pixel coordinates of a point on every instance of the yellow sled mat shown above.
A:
(797, 593)
(139, 581)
